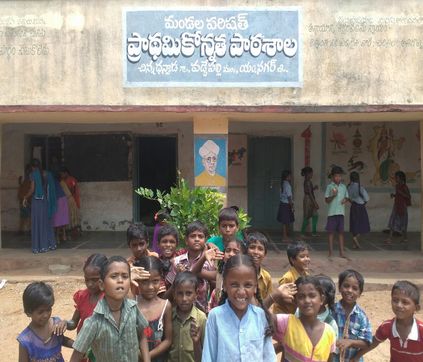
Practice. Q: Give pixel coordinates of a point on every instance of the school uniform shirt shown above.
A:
(336, 207)
(108, 341)
(218, 240)
(289, 277)
(182, 348)
(410, 350)
(264, 283)
(355, 326)
(203, 287)
(286, 192)
(230, 339)
(354, 193)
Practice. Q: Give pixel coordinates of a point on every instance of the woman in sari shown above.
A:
(43, 206)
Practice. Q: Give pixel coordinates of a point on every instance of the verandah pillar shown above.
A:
(211, 152)
(421, 185)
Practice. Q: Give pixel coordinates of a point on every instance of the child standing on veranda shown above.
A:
(306, 338)
(310, 205)
(237, 329)
(355, 331)
(189, 322)
(115, 330)
(286, 205)
(157, 311)
(41, 341)
(359, 220)
(398, 221)
(336, 196)
(299, 259)
(405, 332)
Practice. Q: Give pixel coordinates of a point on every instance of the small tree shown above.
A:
(187, 204)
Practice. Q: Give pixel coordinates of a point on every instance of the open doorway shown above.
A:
(155, 164)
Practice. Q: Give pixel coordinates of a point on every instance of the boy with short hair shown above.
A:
(299, 259)
(137, 238)
(405, 332)
(189, 322)
(195, 239)
(228, 228)
(336, 196)
(257, 250)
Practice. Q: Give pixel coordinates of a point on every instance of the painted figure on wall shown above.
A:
(209, 153)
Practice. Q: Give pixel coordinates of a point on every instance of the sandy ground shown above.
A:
(13, 320)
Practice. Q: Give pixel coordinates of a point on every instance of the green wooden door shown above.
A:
(267, 157)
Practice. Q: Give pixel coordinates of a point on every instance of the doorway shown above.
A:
(267, 158)
(155, 165)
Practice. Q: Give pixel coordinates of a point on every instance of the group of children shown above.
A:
(214, 301)
(337, 194)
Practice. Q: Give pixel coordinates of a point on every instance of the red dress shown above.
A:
(84, 306)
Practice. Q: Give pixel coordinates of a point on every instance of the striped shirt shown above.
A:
(109, 342)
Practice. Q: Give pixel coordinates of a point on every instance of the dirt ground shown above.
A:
(13, 320)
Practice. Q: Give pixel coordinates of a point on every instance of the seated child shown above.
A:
(228, 228)
(354, 329)
(195, 239)
(137, 238)
(115, 330)
(257, 249)
(157, 311)
(405, 332)
(189, 322)
(306, 338)
(40, 341)
(299, 259)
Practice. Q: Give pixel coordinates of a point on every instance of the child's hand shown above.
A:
(162, 289)
(334, 191)
(60, 327)
(287, 291)
(213, 254)
(138, 273)
(343, 344)
(181, 268)
(195, 332)
(344, 201)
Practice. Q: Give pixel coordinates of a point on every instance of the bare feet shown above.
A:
(343, 256)
(356, 244)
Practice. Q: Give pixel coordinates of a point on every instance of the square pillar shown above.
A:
(211, 152)
(421, 185)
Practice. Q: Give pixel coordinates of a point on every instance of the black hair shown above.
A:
(294, 249)
(37, 294)
(136, 231)
(310, 279)
(186, 277)
(329, 290)
(306, 171)
(95, 260)
(234, 262)
(409, 289)
(355, 177)
(236, 208)
(242, 250)
(401, 176)
(109, 261)
(168, 229)
(196, 226)
(336, 170)
(64, 169)
(228, 214)
(351, 273)
(162, 215)
(255, 237)
(150, 263)
(35, 162)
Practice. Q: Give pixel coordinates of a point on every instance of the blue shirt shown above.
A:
(230, 339)
(359, 328)
(286, 192)
(336, 207)
(355, 194)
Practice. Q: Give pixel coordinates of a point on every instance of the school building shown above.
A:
(125, 93)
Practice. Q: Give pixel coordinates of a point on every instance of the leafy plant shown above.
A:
(187, 204)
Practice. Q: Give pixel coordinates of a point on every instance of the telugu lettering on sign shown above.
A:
(223, 48)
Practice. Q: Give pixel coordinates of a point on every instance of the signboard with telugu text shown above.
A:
(212, 48)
